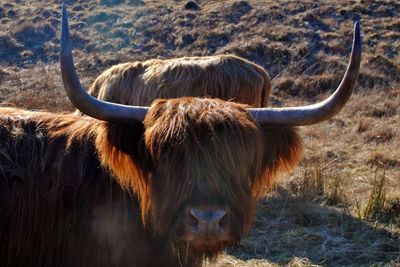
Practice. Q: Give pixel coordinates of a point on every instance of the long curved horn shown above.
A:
(79, 97)
(306, 115)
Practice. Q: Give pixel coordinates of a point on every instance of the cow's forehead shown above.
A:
(197, 110)
(195, 118)
(203, 137)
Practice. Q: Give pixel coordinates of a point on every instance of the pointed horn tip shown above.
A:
(64, 37)
(64, 16)
(64, 12)
(63, 8)
(357, 39)
(357, 26)
(357, 32)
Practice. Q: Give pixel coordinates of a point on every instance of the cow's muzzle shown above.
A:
(207, 225)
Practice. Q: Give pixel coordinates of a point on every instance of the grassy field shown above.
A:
(341, 206)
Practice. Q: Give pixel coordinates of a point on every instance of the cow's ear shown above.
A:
(282, 151)
(120, 149)
(129, 139)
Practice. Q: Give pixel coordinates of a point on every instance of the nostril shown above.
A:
(192, 219)
(223, 221)
(220, 218)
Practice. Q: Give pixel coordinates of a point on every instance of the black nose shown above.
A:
(207, 222)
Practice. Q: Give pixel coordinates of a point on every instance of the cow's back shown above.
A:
(227, 77)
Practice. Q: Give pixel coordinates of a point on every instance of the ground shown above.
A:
(341, 206)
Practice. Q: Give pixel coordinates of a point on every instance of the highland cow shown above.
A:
(126, 185)
(226, 77)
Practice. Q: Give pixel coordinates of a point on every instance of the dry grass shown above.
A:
(341, 206)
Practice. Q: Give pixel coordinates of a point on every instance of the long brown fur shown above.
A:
(78, 192)
(226, 77)
(59, 206)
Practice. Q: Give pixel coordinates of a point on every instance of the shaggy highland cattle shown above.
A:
(135, 186)
(226, 77)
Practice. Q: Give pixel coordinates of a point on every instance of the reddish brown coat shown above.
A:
(75, 191)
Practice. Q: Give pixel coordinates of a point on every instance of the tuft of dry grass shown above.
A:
(377, 197)
(380, 135)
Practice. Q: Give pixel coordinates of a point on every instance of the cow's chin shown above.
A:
(205, 247)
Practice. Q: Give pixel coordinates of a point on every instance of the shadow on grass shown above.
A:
(286, 227)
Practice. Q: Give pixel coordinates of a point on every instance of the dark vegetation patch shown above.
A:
(185, 40)
(378, 159)
(383, 110)
(215, 40)
(307, 86)
(11, 13)
(379, 135)
(372, 79)
(314, 22)
(3, 76)
(110, 18)
(391, 211)
(34, 39)
(191, 5)
(238, 10)
(111, 2)
(79, 42)
(10, 49)
(273, 57)
(385, 66)
(135, 2)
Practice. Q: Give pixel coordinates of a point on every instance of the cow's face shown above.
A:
(206, 158)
